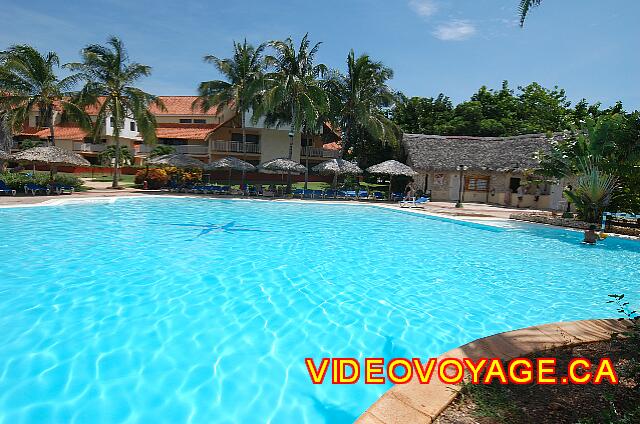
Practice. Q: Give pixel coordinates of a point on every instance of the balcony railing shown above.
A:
(235, 146)
(192, 149)
(89, 147)
(319, 152)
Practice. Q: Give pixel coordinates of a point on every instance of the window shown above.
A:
(38, 120)
(112, 121)
(132, 126)
(514, 183)
(477, 183)
(251, 138)
(199, 121)
(185, 121)
(306, 142)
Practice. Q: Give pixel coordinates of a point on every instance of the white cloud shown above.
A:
(457, 30)
(423, 8)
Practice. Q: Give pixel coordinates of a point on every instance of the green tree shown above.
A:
(420, 115)
(244, 85)
(358, 102)
(491, 113)
(161, 150)
(109, 79)
(606, 146)
(30, 80)
(294, 94)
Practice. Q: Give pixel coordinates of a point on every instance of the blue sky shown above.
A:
(589, 48)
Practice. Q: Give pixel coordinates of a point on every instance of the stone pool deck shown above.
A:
(470, 212)
(417, 403)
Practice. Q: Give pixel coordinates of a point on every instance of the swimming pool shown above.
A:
(200, 310)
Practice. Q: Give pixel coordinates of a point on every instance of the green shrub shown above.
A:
(17, 181)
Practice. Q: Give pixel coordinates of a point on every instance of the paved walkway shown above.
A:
(415, 403)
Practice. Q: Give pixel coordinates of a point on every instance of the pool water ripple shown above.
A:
(168, 311)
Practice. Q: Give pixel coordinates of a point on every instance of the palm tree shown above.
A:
(593, 192)
(121, 154)
(161, 150)
(294, 94)
(244, 75)
(109, 87)
(358, 100)
(30, 82)
(525, 7)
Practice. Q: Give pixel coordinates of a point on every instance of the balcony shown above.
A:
(319, 152)
(235, 146)
(88, 147)
(192, 149)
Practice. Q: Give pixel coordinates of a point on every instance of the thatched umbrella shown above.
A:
(52, 155)
(337, 167)
(282, 165)
(177, 160)
(231, 164)
(391, 168)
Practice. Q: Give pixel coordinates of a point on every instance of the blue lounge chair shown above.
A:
(414, 202)
(397, 196)
(298, 192)
(5, 189)
(59, 188)
(318, 194)
(350, 194)
(378, 195)
(363, 194)
(330, 193)
(34, 189)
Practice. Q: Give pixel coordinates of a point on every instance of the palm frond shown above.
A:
(525, 7)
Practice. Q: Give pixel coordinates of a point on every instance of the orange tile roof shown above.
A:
(174, 105)
(185, 131)
(180, 105)
(62, 132)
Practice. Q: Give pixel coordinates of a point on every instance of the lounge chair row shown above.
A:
(344, 194)
(198, 188)
(34, 189)
(55, 188)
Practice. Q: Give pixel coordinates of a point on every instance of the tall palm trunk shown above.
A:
(116, 134)
(244, 145)
(116, 167)
(52, 141)
(291, 135)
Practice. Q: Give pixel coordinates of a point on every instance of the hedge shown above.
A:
(17, 181)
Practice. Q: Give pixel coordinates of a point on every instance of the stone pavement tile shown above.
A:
(430, 399)
(391, 410)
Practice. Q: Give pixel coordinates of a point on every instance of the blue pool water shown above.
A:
(202, 311)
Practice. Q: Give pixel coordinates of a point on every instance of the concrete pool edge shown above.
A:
(422, 403)
(111, 198)
(490, 221)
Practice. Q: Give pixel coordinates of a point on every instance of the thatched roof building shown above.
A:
(499, 154)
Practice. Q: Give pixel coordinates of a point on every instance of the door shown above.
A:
(454, 187)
